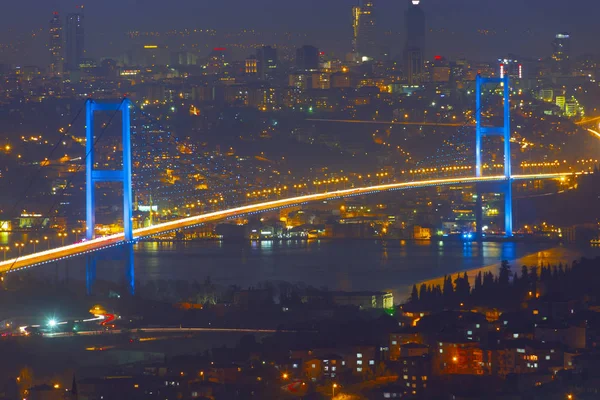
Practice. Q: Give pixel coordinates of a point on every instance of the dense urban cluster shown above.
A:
(128, 173)
(531, 334)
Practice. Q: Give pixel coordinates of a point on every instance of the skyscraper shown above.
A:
(366, 40)
(75, 41)
(267, 62)
(561, 53)
(307, 58)
(414, 20)
(55, 45)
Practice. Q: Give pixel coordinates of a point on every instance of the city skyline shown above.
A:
(453, 30)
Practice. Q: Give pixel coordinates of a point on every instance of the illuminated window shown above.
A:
(359, 362)
(547, 357)
(333, 368)
(477, 326)
(469, 333)
(394, 342)
(371, 362)
(405, 377)
(359, 369)
(314, 365)
(358, 355)
(441, 350)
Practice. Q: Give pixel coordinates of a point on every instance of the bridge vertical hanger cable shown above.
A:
(70, 180)
(38, 172)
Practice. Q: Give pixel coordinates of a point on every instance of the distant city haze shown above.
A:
(455, 28)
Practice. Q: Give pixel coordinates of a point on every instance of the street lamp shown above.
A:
(20, 247)
(333, 387)
(62, 236)
(76, 232)
(5, 249)
(46, 239)
(34, 242)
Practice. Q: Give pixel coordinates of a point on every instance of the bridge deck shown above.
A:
(76, 249)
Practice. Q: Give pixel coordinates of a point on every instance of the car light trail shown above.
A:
(86, 247)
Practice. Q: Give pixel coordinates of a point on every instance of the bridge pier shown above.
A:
(130, 268)
(90, 273)
(479, 214)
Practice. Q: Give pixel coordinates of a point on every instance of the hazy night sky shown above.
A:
(523, 27)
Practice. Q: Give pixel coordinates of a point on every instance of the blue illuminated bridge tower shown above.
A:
(504, 186)
(93, 175)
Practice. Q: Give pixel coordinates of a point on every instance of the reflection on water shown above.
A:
(340, 265)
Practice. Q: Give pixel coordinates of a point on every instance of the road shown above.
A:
(77, 249)
(163, 330)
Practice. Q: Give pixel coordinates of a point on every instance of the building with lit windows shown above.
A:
(414, 49)
(561, 54)
(267, 62)
(511, 67)
(75, 41)
(414, 374)
(365, 34)
(251, 66)
(55, 45)
(461, 357)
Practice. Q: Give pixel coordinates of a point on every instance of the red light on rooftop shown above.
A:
(438, 58)
(55, 13)
(219, 49)
(321, 53)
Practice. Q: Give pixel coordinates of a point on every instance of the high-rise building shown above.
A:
(510, 66)
(267, 62)
(414, 49)
(75, 41)
(307, 58)
(414, 66)
(356, 13)
(366, 41)
(561, 53)
(55, 45)
(251, 65)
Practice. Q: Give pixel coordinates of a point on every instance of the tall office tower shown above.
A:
(561, 53)
(75, 41)
(267, 62)
(307, 58)
(414, 66)
(356, 13)
(366, 43)
(55, 45)
(414, 19)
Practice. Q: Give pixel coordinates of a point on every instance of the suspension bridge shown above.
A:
(496, 183)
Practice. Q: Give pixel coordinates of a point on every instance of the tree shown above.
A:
(478, 281)
(448, 289)
(414, 296)
(505, 274)
(463, 288)
(424, 295)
